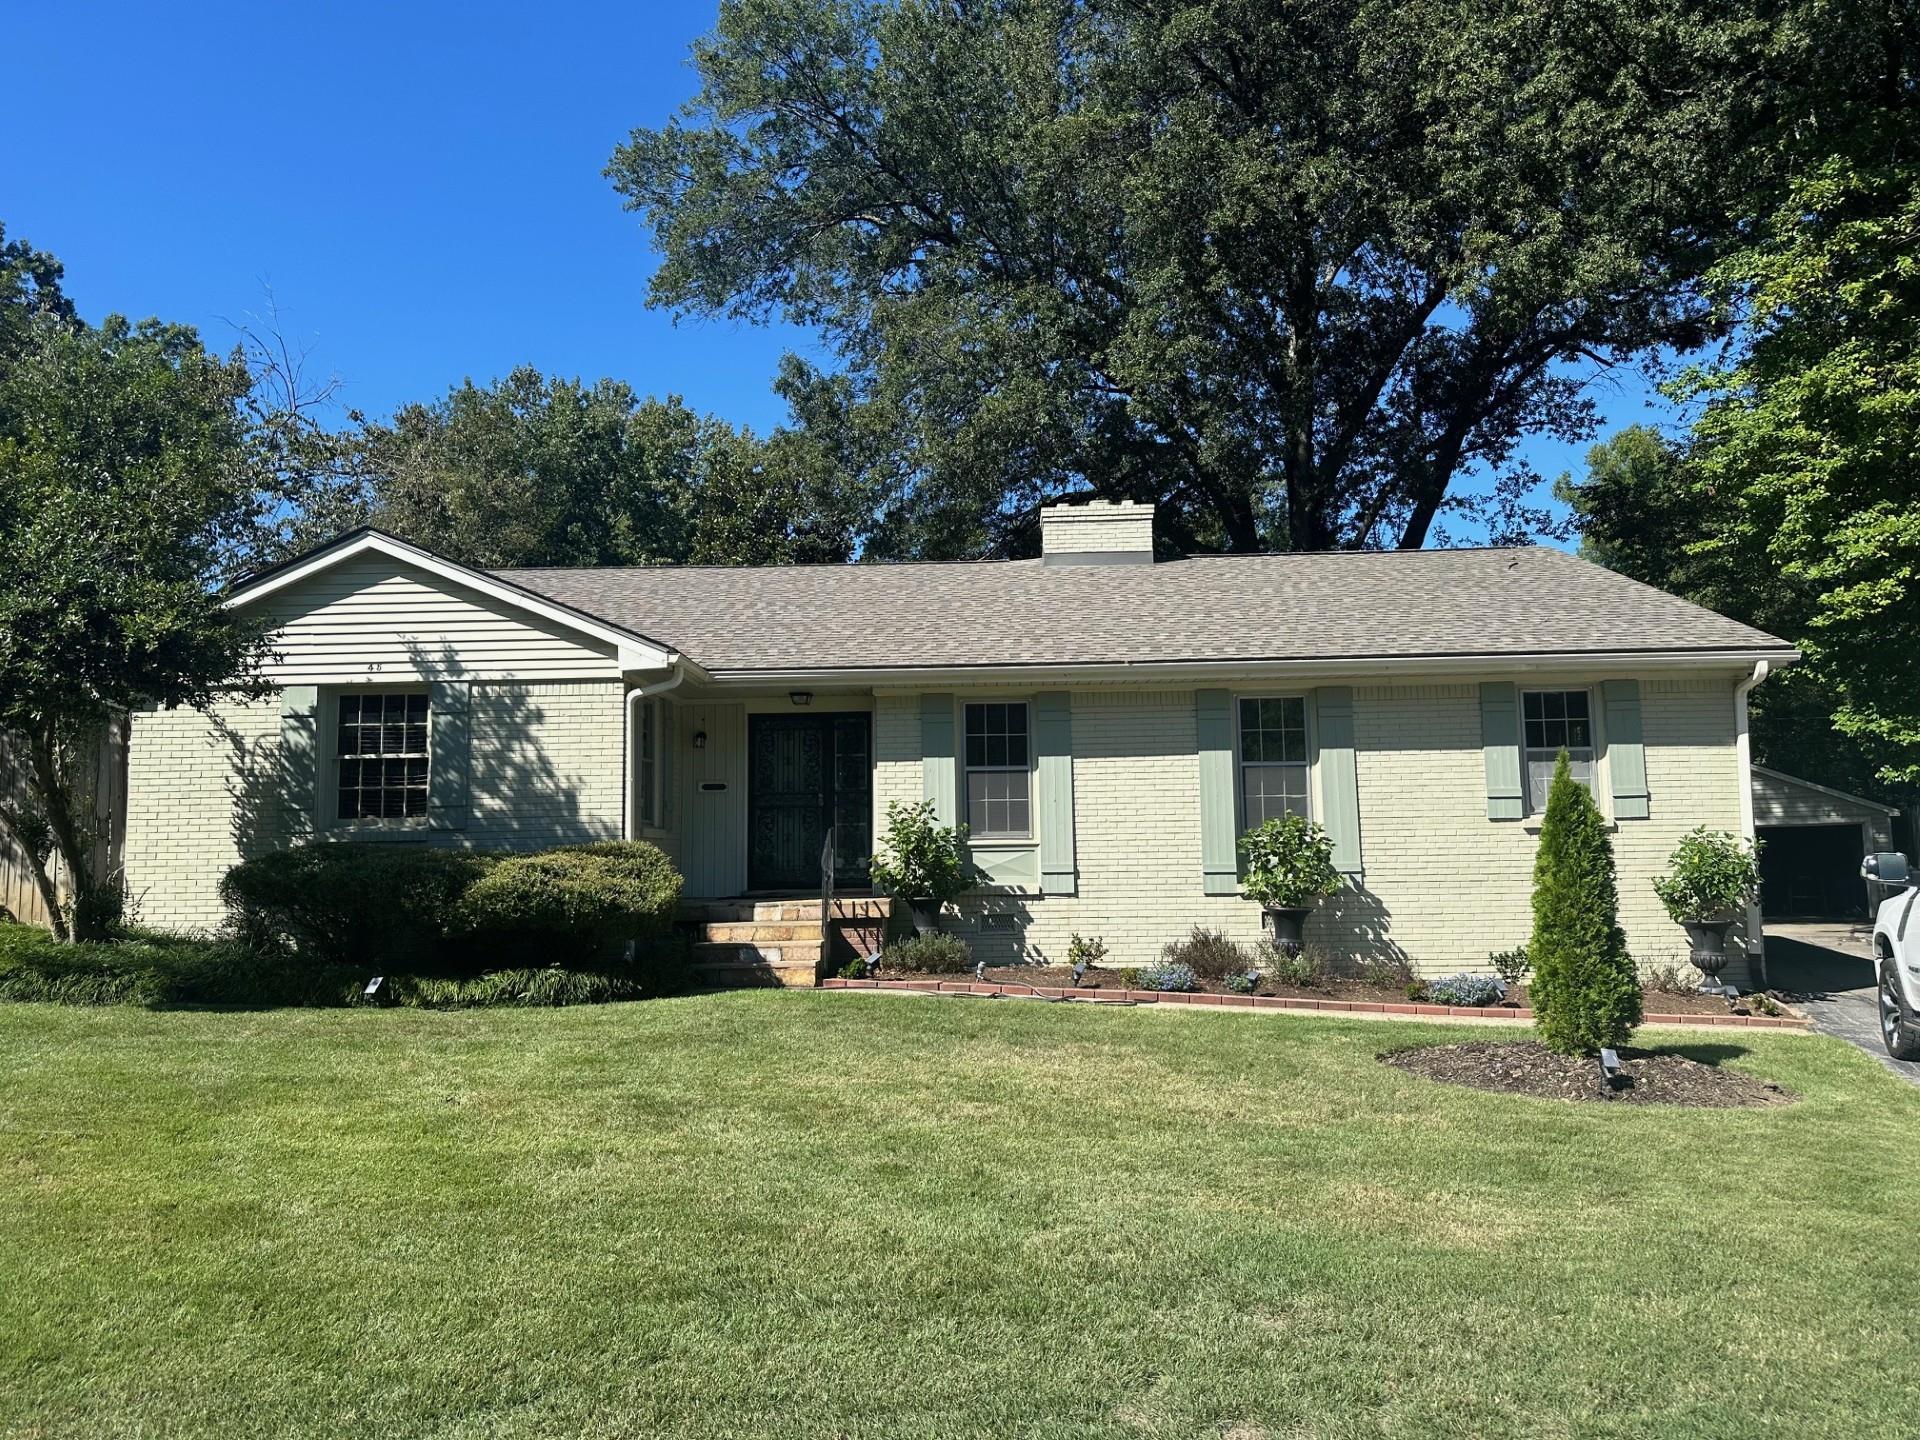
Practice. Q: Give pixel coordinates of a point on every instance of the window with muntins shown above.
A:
(380, 756)
(999, 770)
(1556, 720)
(1273, 759)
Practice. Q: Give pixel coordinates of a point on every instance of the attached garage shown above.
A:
(1814, 838)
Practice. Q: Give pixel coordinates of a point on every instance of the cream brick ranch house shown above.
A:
(1105, 722)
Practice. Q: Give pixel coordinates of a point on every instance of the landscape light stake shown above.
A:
(1079, 972)
(1610, 1069)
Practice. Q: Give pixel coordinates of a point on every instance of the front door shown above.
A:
(805, 773)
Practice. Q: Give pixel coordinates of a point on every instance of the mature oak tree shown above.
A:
(1286, 269)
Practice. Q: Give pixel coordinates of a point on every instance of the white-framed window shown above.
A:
(1552, 721)
(1273, 759)
(999, 770)
(380, 755)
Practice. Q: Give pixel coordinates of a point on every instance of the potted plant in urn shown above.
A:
(1711, 876)
(921, 862)
(1287, 869)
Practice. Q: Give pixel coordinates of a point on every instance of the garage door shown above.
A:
(1812, 871)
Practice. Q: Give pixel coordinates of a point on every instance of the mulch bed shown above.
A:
(1658, 1002)
(1649, 1077)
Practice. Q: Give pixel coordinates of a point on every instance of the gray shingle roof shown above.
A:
(1391, 604)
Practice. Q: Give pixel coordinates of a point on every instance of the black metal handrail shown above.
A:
(828, 863)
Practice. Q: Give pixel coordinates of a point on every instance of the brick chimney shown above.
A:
(1097, 532)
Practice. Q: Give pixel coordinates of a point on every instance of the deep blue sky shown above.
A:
(419, 185)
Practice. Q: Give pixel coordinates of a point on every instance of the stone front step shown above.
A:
(779, 942)
(794, 965)
(775, 912)
(760, 932)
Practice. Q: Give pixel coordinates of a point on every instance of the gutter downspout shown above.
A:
(628, 820)
(1743, 751)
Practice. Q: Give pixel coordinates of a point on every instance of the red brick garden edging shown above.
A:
(1281, 1002)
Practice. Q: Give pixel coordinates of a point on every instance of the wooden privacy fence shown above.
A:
(108, 786)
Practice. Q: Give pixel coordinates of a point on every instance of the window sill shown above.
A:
(379, 831)
(1532, 824)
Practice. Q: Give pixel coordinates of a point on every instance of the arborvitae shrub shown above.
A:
(1585, 994)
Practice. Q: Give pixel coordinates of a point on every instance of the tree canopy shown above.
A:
(533, 470)
(126, 491)
(1286, 270)
(1793, 501)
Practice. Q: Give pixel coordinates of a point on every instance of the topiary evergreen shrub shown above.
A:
(1585, 993)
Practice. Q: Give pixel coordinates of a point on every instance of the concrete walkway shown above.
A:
(1827, 972)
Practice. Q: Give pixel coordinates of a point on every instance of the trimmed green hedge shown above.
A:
(593, 896)
(370, 906)
(427, 910)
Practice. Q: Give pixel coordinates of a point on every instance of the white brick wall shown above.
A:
(194, 802)
(1444, 885)
(546, 768)
(547, 764)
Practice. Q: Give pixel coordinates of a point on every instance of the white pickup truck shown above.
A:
(1896, 954)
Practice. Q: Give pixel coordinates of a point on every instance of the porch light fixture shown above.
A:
(699, 739)
(800, 697)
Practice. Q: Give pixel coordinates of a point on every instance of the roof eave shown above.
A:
(1732, 660)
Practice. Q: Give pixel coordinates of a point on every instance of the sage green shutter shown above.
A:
(1626, 750)
(449, 749)
(299, 764)
(1213, 729)
(1339, 778)
(937, 755)
(1500, 743)
(1053, 747)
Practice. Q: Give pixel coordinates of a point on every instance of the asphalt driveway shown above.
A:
(1826, 970)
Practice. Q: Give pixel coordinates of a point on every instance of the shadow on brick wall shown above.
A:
(517, 799)
(1355, 927)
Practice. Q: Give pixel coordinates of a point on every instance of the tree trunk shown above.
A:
(49, 894)
(49, 788)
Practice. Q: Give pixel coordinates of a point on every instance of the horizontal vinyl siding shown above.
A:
(376, 618)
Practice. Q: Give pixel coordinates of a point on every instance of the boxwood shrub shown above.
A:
(434, 911)
(593, 898)
(366, 905)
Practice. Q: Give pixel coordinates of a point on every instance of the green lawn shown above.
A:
(820, 1214)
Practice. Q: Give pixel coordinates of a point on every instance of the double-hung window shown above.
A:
(1556, 720)
(380, 756)
(1273, 759)
(999, 771)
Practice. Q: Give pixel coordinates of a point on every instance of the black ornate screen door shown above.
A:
(804, 773)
